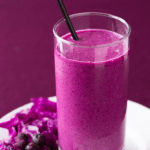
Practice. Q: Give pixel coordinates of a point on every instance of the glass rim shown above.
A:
(90, 14)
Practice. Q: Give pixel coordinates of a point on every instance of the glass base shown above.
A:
(60, 148)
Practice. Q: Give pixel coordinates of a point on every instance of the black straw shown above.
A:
(67, 19)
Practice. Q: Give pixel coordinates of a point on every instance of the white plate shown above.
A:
(137, 130)
(138, 127)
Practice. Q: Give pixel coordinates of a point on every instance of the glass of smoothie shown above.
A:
(91, 81)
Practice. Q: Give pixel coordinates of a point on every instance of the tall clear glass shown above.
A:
(91, 81)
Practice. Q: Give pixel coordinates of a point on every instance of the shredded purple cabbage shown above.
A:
(41, 117)
(8, 124)
(43, 104)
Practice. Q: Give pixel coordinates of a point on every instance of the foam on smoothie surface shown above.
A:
(98, 39)
(88, 37)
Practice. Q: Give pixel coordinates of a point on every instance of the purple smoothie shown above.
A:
(91, 90)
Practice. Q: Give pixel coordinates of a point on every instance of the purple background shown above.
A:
(26, 47)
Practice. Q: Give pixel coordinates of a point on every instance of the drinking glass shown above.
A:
(91, 81)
